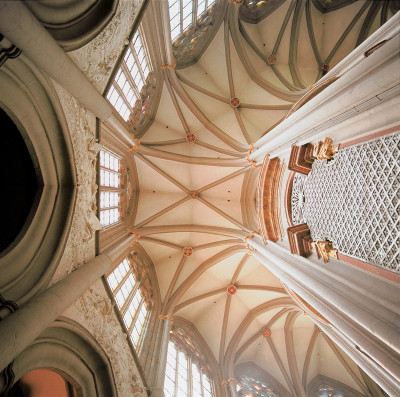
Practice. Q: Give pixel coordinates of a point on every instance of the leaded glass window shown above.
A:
(184, 13)
(328, 391)
(254, 387)
(134, 71)
(186, 375)
(111, 188)
(131, 299)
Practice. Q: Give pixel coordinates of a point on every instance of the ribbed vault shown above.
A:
(192, 167)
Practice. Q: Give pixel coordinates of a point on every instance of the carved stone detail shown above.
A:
(298, 199)
(96, 60)
(143, 105)
(81, 242)
(95, 312)
(7, 50)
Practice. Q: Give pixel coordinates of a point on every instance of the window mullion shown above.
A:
(118, 287)
(109, 170)
(136, 315)
(177, 370)
(128, 75)
(144, 327)
(201, 382)
(111, 189)
(181, 15)
(109, 208)
(120, 92)
(194, 13)
(135, 57)
(190, 377)
(128, 300)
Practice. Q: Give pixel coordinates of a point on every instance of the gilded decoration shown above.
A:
(325, 150)
(325, 249)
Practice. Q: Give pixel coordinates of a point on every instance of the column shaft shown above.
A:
(20, 329)
(360, 307)
(370, 83)
(163, 354)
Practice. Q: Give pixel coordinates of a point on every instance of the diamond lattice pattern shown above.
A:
(353, 201)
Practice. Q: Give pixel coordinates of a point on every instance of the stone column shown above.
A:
(21, 328)
(232, 388)
(22, 29)
(363, 309)
(163, 356)
(363, 98)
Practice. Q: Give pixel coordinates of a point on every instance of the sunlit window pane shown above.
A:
(184, 375)
(181, 14)
(129, 298)
(129, 79)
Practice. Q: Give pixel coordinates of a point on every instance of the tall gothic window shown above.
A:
(249, 386)
(112, 182)
(187, 374)
(132, 293)
(132, 75)
(184, 13)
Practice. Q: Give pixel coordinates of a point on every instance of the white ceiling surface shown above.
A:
(157, 193)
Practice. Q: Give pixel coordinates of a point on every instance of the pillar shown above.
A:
(19, 329)
(232, 388)
(22, 29)
(159, 383)
(369, 86)
(362, 309)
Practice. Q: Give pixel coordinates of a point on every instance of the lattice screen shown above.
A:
(353, 201)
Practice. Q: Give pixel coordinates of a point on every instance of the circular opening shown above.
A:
(20, 184)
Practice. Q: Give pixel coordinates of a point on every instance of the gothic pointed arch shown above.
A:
(29, 262)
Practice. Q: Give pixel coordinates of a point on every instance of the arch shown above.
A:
(143, 269)
(321, 384)
(74, 24)
(83, 359)
(193, 344)
(43, 382)
(20, 181)
(252, 371)
(192, 42)
(34, 107)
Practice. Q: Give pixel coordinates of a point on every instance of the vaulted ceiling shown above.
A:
(202, 194)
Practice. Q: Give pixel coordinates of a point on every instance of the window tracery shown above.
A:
(328, 391)
(132, 291)
(192, 23)
(254, 11)
(187, 372)
(133, 87)
(249, 386)
(184, 13)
